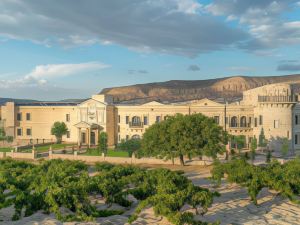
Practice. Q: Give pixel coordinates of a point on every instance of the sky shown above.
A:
(62, 49)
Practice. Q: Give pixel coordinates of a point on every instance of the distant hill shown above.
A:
(230, 88)
(4, 100)
(20, 101)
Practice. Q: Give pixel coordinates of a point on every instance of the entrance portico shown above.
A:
(88, 133)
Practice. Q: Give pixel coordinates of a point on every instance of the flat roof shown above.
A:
(47, 104)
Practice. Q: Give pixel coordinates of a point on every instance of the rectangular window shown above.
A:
(19, 116)
(119, 137)
(217, 119)
(226, 120)
(28, 116)
(118, 128)
(296, 119)
(157, 119)
(255, 122)
(145, 120)
(119, 119)
(260, 120)
(250, 120)
(296, 139)
(276, 124)
(68, 117)
(127, 137)
(68, 134)
(19, 132)
(127, 119)
(28, 131)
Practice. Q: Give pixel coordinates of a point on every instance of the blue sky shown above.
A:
(56, 49)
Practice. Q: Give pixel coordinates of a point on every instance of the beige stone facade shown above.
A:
(273, 108)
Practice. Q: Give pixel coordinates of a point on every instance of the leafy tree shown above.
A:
(253, 148)
(246, 156)
(262, 139)
(239, 142)
(130, 146)
(285, 147)
(268, 156)
(3, 136)
(184, 135)
(59, 129)
(2, 133)
(102, 142)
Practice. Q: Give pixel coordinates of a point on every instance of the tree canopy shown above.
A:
(262, 142)
(285, 147)
(184, 135)
(4, 137)
(58, 130)
(102, 142)
(253, 147)
(130, 145)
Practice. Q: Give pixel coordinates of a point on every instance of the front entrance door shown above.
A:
(93, 138)
(83, 138)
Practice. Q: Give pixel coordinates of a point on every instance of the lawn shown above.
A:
(110, 153)
(45, 148)
(7, 149)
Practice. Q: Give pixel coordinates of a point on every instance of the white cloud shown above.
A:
(188, 6)
(40, 75)
(59, 70)
(165, 26)
(263, 19)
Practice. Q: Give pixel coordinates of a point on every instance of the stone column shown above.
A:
(79, 136)
(133, 158)
(50, 152)
(33, 153)
(88, 137)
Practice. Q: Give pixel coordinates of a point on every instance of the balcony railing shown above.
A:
(136, 124)
(280, 98)
(237, 125)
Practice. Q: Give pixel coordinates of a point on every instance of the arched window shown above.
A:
(243, 121)
(233, 121)
(136, 121)
(136, 136)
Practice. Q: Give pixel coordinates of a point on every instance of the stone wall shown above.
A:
(125, 160)
(18, 155)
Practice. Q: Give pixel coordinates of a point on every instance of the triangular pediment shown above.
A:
(205, 102)
(91, 101)
(152, 103)
(82, 124)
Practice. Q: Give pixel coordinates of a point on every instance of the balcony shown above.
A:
(240, 126)
(279, 99)
(136, 124)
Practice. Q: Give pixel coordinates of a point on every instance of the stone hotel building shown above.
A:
(273, 108)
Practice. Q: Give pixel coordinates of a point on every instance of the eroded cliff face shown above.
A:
(180, 90)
